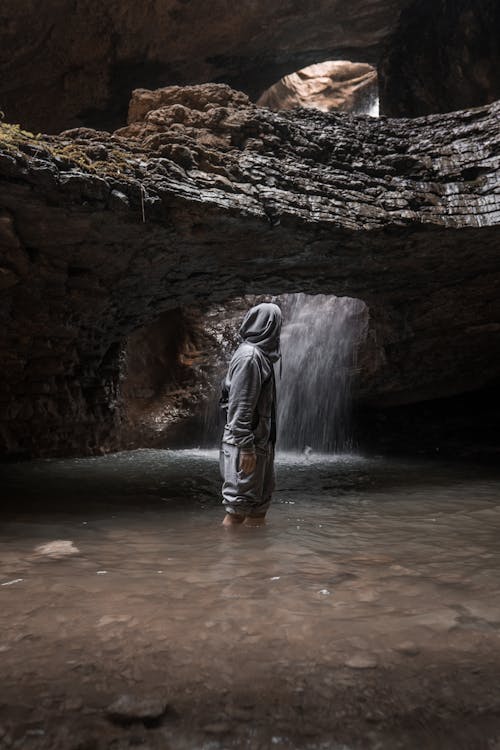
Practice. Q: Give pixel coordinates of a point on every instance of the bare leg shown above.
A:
(233, 519)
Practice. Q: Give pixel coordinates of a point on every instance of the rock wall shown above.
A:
(443, 56)
(464, 426)
(171, 372)
(205, 197)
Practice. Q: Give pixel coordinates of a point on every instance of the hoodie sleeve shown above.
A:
(246, 382)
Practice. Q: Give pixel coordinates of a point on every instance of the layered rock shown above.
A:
(204, 197)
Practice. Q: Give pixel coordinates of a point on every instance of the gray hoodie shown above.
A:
(249, 383)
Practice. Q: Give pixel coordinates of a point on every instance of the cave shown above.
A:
(164, 168)
(103, 233)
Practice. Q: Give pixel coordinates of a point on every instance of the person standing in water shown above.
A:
(249, 398)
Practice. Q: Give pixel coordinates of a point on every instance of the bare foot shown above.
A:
(233, 519)
(255, 520)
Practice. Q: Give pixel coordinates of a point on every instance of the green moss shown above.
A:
(13, 135)
(118, 163)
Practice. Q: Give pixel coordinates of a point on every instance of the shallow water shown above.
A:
(115, 571)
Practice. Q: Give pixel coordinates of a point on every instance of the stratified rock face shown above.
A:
(331, 86)
(70, 64)
(444, 55)
(204, 197)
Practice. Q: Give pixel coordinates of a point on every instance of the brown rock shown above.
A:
(128, 709)
(218, 727)
(408, 648)
(361, 661)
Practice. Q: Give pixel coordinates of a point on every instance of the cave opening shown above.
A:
(174, 366)
(330, 86)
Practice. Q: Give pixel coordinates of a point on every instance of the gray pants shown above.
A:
(246, 494)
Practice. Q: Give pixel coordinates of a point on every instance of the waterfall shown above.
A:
(370, 105)
(319, 343)
(374, 107)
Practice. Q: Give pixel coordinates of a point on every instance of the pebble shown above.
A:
(129, 708)
(73, 704)
(367, 595)
(408, 648)
(113, 619)
(218, 727)
(238, 714)
(57, 549)
(361, 661)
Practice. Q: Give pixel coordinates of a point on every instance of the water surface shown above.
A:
(116, 576)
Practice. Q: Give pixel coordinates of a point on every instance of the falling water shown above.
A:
(369, 105)
(320, 339)
(374, 107)
(319, 343)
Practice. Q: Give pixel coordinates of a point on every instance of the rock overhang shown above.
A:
(208, 197)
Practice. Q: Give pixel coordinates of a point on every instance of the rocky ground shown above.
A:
(425, 704)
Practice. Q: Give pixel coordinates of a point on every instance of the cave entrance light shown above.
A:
(330, 86)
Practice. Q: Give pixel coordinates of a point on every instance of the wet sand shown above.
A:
(365, 615)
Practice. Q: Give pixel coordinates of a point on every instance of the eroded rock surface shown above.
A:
(204, 197)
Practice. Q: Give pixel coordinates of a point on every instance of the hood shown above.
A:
(262, 326)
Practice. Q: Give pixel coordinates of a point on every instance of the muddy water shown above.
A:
(367, 610)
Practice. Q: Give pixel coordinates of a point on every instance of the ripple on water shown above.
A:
(388, 552)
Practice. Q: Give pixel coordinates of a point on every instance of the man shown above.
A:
(249, 395)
